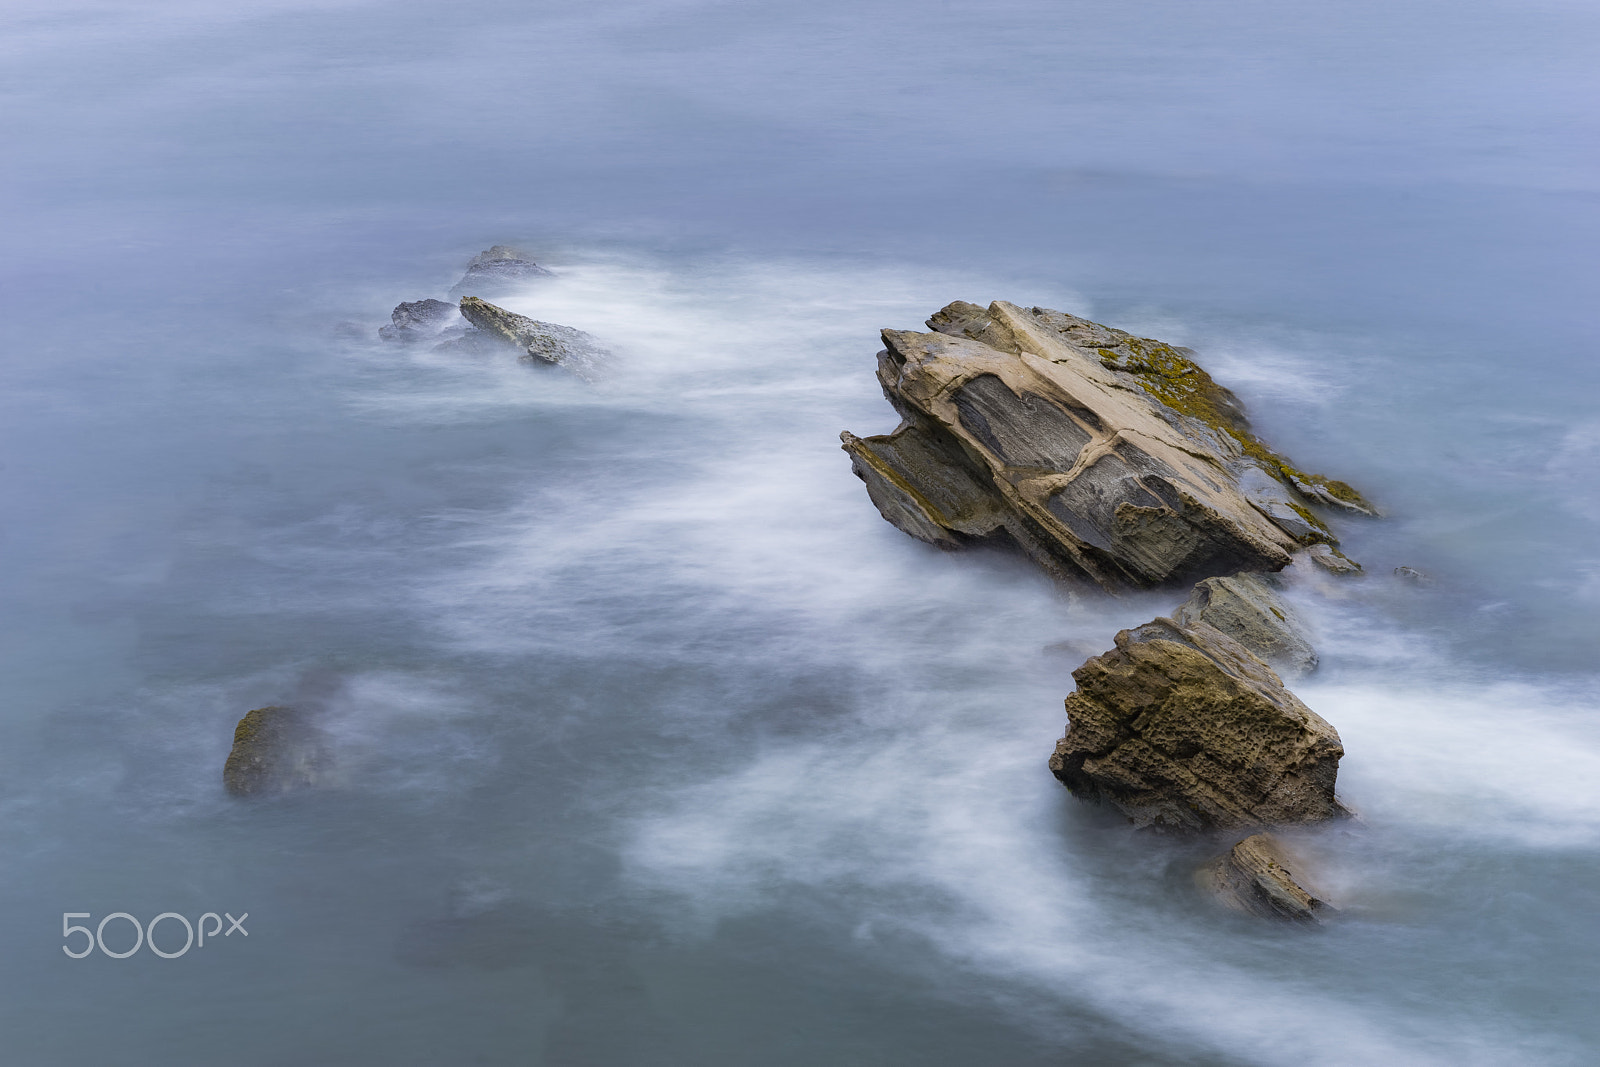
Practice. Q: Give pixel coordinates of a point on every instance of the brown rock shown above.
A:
(1255, 877)
(1186, 730)
(275, 750)
(1105, 456)
(1248, 609)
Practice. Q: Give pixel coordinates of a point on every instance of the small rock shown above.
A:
(539, 342)
(1249, 610)
(496, 270)
(417, 320)
(1412, 575)
(1332, 560)
(275, 750)
(1254, 877)
(1183, 729)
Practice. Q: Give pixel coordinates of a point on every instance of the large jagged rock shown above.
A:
(1183, 729)
(1249, 610)
(496, 270)
(1103, 455)
(1255, 877)
(275, 750)
(418, 320)
(539, 342)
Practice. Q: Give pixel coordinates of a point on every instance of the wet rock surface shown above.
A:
(495, 270)
(1256, 877)
(1184, 729)
(419, 320)
(1332, 560)
(275, 750)
(1108, 458)
(538, 342)
(1248, 609)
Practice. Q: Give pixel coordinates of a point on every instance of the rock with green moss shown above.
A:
(538, 342)
(275, 750)
(1184, 729)
(1256, 877)
(1107, 457)
(1248, 609)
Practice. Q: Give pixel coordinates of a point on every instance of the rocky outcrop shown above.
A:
(1248, 609)
(538, 342)
(275, 750)
(1105, 456)
(496, 270)
(1255, 877)
(1183, 729)
(418, 320)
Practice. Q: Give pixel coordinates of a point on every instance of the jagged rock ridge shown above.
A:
(1103, 455)
(539, 342)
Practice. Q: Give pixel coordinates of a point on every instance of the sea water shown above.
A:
(651, 743)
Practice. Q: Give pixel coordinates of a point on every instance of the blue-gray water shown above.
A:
(655, 745)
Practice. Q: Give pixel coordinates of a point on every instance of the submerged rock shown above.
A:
(275, 750)
(1103, 455)
(418, 320)
(495, 270)
(539, 342)
(1184, 729)
(1254, 877)
(1249, 610)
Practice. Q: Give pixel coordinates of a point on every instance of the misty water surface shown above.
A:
(654, 743)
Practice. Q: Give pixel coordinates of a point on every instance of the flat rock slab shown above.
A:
(1105, 456)
(1256, 877)
(275, 750)
(1248, 609)
(1183, 729)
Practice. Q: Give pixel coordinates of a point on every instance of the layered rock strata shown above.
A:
(1248, 609)
(1255, 877)
(1183, 729)
(1105, 456)
(275, 750)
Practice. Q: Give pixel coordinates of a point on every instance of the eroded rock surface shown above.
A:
(1248, 609)
(1255, 877)
(418, 320)
(1183, 729)
(1103, 455)
(275, 750)
(538, 342)
(495, 270)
